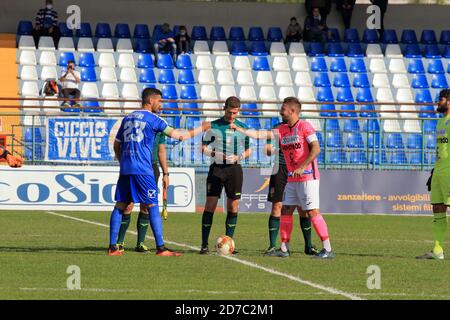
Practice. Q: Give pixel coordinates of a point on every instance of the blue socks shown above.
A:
(114, 225)
(156, 225)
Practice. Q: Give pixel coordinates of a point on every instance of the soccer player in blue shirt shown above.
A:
(133, 149)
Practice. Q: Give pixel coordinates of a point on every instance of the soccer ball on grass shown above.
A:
(224, 245)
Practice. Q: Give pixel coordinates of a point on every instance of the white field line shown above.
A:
(241, 261)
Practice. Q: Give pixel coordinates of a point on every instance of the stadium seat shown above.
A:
(408, 37)
(108, 74)
(27, 57)
(380, 80)
(280, 64)
(324, 94)
(364, 95)
(222, 63)
(337, 157)
(103, 30)
(277, 49)
(128, 75)
(261, 64)
(29, 88)
(145, 60)
(166, 76)
(85, 30)
(239, 48)
(199, 33)
(206, 77)
(350, 125)
(122, 30)
(445, 37)
(220, 48)
(296, 49)
(361, 80)
(164, 61)
(64, 31)
(258, 48)
(85, 45)
(429, 126)
(147, 76)
(27, 42)
(47, 58)
(307, 94)
(89, 90)
(423, 96)
(141, 31)
(283, 78)
(337, 65)
(109, 90)
(105, 45)
(439, 81)
(201, 47)
(25, 28)
(255, 34)
(300, 64)
(264, 78)
(393, 51)
(378, 157)
(389, 36)
(427, 112)
(419, 81)
(334, 139)
(341, 80)
(430, 141)
(432, 51)
(49, 72)
(274, 34)
(358, 157)
(241, 63)
(370, 36)
(397, 65)
(284, 92)
(143, 45)
(188, 92)
(399, 157)
(217, 34)
(316, 49)
(169, 92)
(335, 50)
(344, 94)
(334, 36)
(187, 77)
(412, 51)
(446, 53)
(236, 34)
(184, 62)
(46, 43)
(404, 95)
(357, 65)
(225, 77)
(428, 37)
(414, 141)
(64, 58)
(126, 60)
(355, 140)
(66, 44)
(351, 35)
(435, 66)
(318, 64)
(130, 90)
(124, 45)
(245, 77)
(416, 66)
(400, 81)
(28, 73)
(373, 50)
(417, 158)
(106, 59)
(377, 65)
(86, 59)
(355, 50)
(203, 62)
(321, 79)
(394, 141)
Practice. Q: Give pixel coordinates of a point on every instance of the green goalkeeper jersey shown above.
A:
(442, 164)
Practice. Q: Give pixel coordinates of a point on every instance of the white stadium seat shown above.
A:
(400, 80)
(380, 80)
(303, 79)
(66, 44)
(283, 78)
(220, 48)
(296, 49)
(85, 45)
(110, 90)
(47, 58)
(384, 95)
(404, 95)
(204, 62)
(393, 51)
(130, 90)
(89, 90)
(247, 93)
(208, 92)
(48, 103)
(27, 42)
(374, 51)
(284, 92)
(277, 49)
(46, 43)
(225, 77)
(306, 94)
(128, 75)
(107, 60)
(29, 88)
(397, 66)
(227, 91)
(222, 63)
(27, 58)
(264, 78)
(124, 45)
(49, 72)
(206, 77)
(377, 65)
(108, 74)
(280, 64)
(241, 63)
(267, 93)
(245, 77)
(28, 73)
(114, 105)
(105, 45)
(126, 60)
(201, 47)
(300, 64)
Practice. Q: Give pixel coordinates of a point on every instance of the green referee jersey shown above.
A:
(160, 138)
(223, 139)
(442, 164)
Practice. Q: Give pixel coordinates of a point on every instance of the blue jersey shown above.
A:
(136, 134)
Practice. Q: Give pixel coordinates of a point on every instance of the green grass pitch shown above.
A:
(37, 247)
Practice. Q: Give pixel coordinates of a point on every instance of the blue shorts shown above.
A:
(137, 188)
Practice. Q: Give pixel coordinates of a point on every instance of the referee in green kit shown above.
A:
(227, 148)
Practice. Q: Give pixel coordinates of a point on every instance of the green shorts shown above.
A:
(440, 190)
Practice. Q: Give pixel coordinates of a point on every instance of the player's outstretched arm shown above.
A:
(180, 134)
(254, 134)
(13, 161)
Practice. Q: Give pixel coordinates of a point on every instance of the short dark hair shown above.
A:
(294, 18)
(182, 28)
(70, 61)
(232, 102)
(445, 93)
(293, 101)
(148, 92)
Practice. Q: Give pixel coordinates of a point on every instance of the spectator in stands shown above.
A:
(294, 31)
(50, 89)
(324, 7)
(47, 23)
(346, 9)
(183, 41)
(70, 80)
(315, 28)
(382, 4)
(165, 42)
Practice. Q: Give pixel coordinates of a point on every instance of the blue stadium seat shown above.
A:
(64, 31)
(332, 124)
(236, 34)
(355, 140)
(261, 64)
(419, 81)
(389, 36)
(370, 36)
(355, 50)
(252, 123)
(445, 37)
(103, 30)
(188, 92)
(141, 31)
(416, 66)
(364, 95)
(430, 141)
(157, 28)
(337, 157)
(414, 141)
(334, 139)
(91, 107)
(258, 48)
(166, 76)
(28, 137)
(320, 138)
(423, 96)
(176, 29)
(344, 94)
(174, 122)
(432, 51)
(199, 33)
(217, 34)
(169, 92)
(143, 45)
(192, 108)
(164, 61)
(149, 85)
(435, 66)
(399, 157)
(65, 57)
(350, 125)
(358, 157)
(409, 37)
(316, 49)
(412, 51)
(394, 141)
(239, 48)
(351, 35)
(88, 74)
(446, 53)
(439, 81)
(371, 125)
(86, 59)
(25, 28)
(335, 50)
(324, 94)
(335, 36)
(341, 80)
(255, 34)
(321, 158)
(85, 30)
(184, 62)
(429, 126)
(374, 141)
(170, 105)
(274, 34)
(327, 110)
(147, 75)
(122, 30)
(365, 113)
(378, 157)
(251, 109)
(321, 79)
(186, 77)
(192, 122)
(361, 80)
(357, 65)
(337, 65)
(145, 60)
(428, 37)
(318, 64)
(427, 112)
(417, 158)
